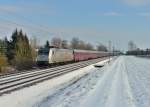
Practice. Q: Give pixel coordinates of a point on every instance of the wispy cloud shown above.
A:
(137, 2)
(111, 14)
(144, 14)
(26, 9)
(8, 8)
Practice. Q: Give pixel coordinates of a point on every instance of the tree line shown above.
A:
(19, 53)
(75, 43)
(134, 50)
(138, 52)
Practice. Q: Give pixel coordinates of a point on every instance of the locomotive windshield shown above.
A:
(43, 51)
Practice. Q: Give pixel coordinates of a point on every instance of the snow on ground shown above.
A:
(124, 82)
(112, 89)
(34, 95)
(139, 78)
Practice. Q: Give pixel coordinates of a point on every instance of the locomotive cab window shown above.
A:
(43, 52)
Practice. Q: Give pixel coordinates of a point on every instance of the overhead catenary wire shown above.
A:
(14, 14)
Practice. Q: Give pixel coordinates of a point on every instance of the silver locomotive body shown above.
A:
(54, 55)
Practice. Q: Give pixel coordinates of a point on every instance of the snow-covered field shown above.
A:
(124, 82)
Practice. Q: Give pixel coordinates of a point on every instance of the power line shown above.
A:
(27, 20)
(23, 25)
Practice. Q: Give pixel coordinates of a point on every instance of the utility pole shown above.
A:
(109, 49)
(109, 46)
(113, 50)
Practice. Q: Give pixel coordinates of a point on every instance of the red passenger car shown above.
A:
(80, 55)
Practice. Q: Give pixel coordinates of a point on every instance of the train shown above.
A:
(50, 56)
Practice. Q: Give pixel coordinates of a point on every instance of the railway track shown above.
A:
(39, 69)
(12, 82)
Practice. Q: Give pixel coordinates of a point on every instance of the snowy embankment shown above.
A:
(112, 90)
(126, 83)
(35, 95)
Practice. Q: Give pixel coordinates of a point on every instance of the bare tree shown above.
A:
(101, 47)
(34, 46)
(56, 41)
(64, 44)
(89, 46)
(74, 43)
(131, 46)
(81, 45)
(34, 42)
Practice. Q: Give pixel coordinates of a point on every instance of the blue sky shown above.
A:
(91, 20)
